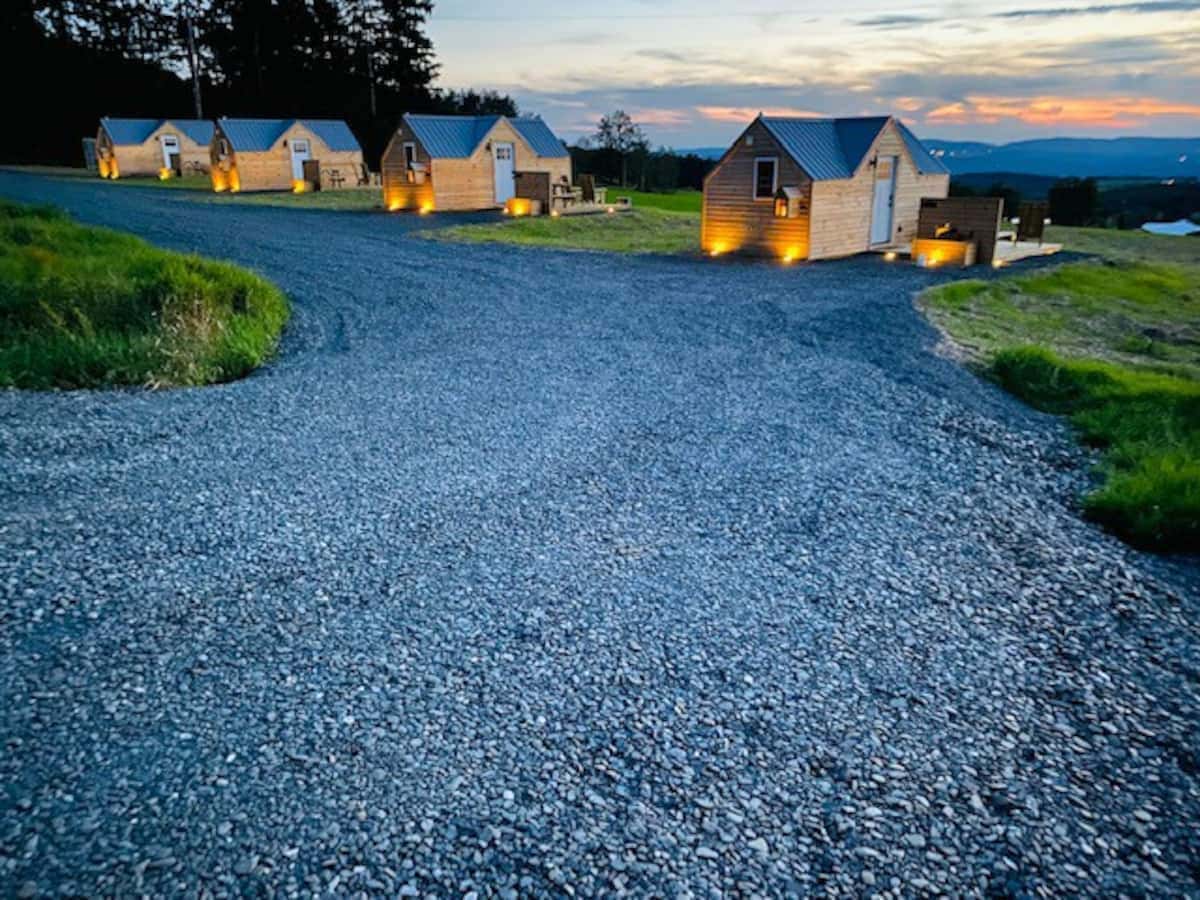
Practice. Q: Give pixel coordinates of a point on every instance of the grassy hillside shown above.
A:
(1115, 346)
(89, 307)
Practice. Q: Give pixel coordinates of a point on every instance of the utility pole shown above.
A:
(193, 60)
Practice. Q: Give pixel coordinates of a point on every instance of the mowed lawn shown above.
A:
(1114, 345)
(658, 223)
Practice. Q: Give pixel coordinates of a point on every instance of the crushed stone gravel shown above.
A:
(526, 573)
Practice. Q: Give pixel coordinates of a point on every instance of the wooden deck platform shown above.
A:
(1011, 251)
(1007, 251)
(620, 204)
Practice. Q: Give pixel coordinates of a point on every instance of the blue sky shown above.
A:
(693, 73)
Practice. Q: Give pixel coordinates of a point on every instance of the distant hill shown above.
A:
(1031, 187)
(703, 152)
(1115, 157)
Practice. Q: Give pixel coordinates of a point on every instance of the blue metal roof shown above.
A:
(335, 133)
(199, 130)
(926, 162)
(460, 136)
(538, 135)
(256, 135)
(129, 131)
(834, 148)
(826, 148)
(450, 136)
(136, 131)
(253, 134)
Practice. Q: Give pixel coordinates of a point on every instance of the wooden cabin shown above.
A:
(798, 188)
(467, 162)
(285, 155)
(161, 147)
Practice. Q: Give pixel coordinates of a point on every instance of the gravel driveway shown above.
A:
(539, 573)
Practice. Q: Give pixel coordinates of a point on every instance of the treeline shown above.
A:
(1115, 203)
(645, 169)
(366, 61)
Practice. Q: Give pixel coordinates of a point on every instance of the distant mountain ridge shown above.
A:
(1060, 157)
(1109, 157)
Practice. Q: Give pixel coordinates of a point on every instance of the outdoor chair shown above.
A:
(588, 185)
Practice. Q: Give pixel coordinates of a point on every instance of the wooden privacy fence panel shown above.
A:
(970, 218)
(533, 186)
(1032, 224)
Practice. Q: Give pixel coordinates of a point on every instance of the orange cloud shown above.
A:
(744, 113)
(1106, 112)
(660, 117)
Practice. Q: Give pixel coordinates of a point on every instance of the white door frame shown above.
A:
(171, 140)
(297, 160)
(888, 212)
(504, 168)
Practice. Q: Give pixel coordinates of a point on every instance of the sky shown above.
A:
(693, 74)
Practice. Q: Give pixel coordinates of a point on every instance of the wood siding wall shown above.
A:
(271, 170)
(459, 183)
(732, 221)
(841, 217)
(146, 158)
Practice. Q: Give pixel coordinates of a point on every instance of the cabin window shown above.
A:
(223, 148)
(410, 154)
(765, 171)
(781, 207)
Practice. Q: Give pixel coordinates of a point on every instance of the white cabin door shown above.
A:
(299, 155)
(502, 156)
(885, 195)
(170, 147)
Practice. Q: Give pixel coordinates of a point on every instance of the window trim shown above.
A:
(774, 161)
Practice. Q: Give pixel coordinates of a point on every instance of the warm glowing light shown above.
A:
(890, 256)
(164, 174)
(997, 263)
(518, 206)
(299, 187)
(554, 213)
(610, 210)
(790, 255)
(716, 250)
(426, 208)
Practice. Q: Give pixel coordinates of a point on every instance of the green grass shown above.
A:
(357, 199)
(676, 201)
(1127, 246)
(1116, 347)
(638, 231)
(188, 183)
(90, 307)
(1148, 426)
